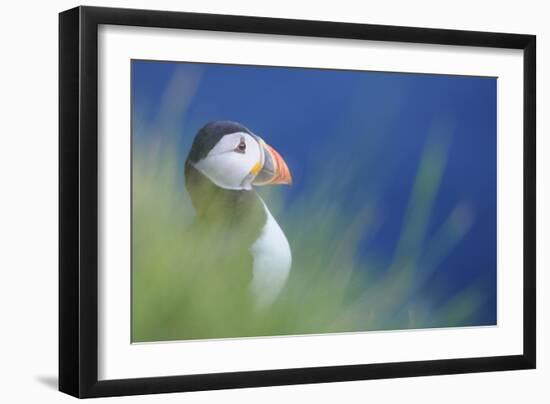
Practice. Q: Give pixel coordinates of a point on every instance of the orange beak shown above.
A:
(274, 169)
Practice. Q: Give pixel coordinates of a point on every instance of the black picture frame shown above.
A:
(78, 201)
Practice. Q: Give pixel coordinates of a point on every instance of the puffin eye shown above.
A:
(241, 147)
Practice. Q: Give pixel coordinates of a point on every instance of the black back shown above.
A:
(228, 222)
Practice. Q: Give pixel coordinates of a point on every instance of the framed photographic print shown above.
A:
(251, 201)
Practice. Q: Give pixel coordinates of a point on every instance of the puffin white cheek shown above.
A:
(227, 170)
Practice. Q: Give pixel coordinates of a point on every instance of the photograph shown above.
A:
(268, 202)
(285, 201)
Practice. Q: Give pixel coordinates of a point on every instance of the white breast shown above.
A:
(272, 262)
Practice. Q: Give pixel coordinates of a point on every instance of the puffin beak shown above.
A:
(274, 169)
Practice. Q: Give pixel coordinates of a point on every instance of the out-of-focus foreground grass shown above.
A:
(330, 289)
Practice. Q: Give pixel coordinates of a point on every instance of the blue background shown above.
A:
(379, 121)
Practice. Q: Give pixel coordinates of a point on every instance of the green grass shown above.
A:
(177, 295)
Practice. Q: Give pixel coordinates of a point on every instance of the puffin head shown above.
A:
(232, 157)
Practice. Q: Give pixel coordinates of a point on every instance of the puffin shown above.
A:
(225, 163)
